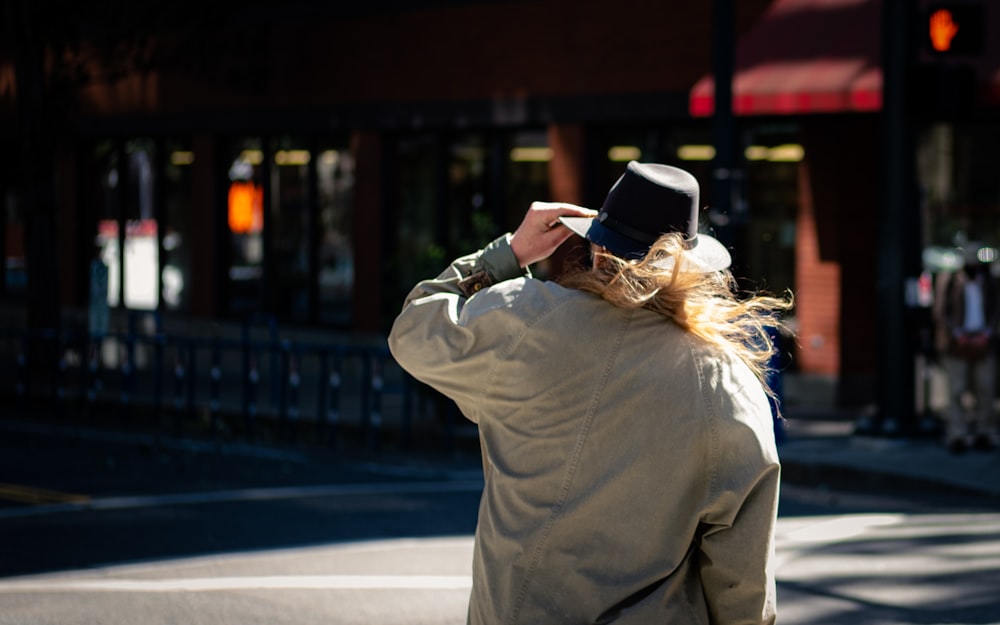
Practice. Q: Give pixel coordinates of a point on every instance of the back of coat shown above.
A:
(630, 468)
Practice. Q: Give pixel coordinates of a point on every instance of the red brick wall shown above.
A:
(566, 183)
(842, 171)
(817, 291)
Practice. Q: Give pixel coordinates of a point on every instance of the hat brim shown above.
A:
(705, 256)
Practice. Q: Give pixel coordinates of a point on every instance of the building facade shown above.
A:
(310, 163)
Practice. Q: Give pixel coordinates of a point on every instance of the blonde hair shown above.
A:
(703, 304)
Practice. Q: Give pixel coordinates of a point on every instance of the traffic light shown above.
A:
(943, 79)
(954, 28)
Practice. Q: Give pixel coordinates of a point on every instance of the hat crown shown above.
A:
(649, 200)
(646, 202)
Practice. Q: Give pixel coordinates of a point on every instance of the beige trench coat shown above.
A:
(630, 469)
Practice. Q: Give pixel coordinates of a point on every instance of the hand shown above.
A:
(540, 233)
(943, 30)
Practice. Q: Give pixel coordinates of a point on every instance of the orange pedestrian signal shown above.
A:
(942, 29)
(246, 207)
(955, 28)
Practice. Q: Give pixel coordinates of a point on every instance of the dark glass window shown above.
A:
(290, 229)
(106, 167)
(335, 195)
(527, 174)
(960, 190)
(419, 251)
(245, 219)
(769, 207)
(141, 275)
(175, 252)
(471, 219)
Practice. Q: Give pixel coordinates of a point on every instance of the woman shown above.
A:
(629, 459)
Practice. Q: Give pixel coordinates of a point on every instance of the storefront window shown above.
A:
(770, 195)
(759, 223)
(527, 181)
(106, 209)
(141, 253)
(445, 203)
(471, 218)
(245, 219)
(527, 174)
(175, 255)
(290, 233)
(960, 189)
(290, 230)
(125, 196)
(335, 181)
(419, 252)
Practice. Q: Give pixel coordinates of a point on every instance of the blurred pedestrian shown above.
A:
(97, 312)
(631, 473)
(966, 319)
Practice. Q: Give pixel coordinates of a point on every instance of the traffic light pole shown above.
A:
(898, 254)
(723, 123)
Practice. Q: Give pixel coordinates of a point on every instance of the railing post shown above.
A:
(192, 377)
(292, 395)
(128, 368)
(22, 368)
(331, 377)
(158, 350)
(62, 368)
(215, 386)
(407, 425)
(245, 374)
(180, 372)
(93, 381)
(277, 381)
(366, 392)
(377, 385)
(92, 384)
(252, 382)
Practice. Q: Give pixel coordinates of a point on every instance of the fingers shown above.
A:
(554, 210)
(540, 232)
(546, 214)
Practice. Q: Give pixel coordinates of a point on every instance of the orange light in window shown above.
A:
(246, 207)
(943, 29)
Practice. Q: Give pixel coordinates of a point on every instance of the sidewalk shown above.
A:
(821, 448)
(828, 453)
(817, 452)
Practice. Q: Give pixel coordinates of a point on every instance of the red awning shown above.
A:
(805, 56)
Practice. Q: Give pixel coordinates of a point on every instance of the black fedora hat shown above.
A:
(647, 201)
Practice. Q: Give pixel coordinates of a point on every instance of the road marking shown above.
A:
(215, 584)
(841, 528)
(34, 495)
(246, 494)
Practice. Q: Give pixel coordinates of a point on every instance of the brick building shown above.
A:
(310, 162)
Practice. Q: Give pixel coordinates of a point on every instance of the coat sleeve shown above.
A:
(438, 341)
(736, 551)
(737, 560)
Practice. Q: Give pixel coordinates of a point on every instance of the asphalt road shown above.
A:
(97, 531)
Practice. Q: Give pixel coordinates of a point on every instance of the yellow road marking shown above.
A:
(33, 495)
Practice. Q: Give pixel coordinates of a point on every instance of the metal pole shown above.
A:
(898, 254)
(723, 124)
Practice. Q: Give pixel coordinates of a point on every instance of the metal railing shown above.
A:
(254, 387)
